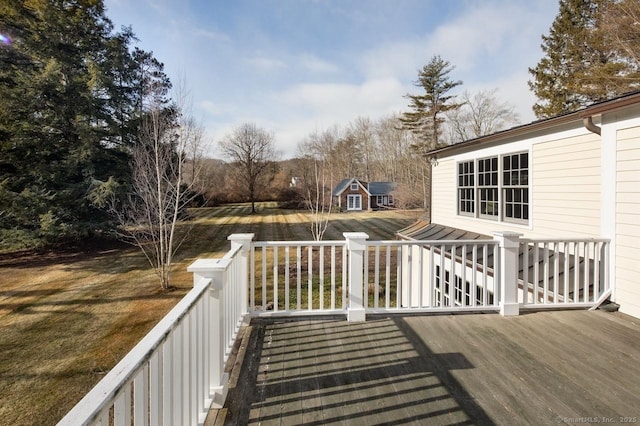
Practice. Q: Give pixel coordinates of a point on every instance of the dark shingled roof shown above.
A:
(341, 186)
(381, 188)
(374, 188)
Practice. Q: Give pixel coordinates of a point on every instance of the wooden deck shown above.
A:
(539, 368)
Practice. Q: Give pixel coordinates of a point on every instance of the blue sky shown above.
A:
(297, 66)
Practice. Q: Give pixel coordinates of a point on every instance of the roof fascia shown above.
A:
(538, 126)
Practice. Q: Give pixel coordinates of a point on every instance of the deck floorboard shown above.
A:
(537, 368)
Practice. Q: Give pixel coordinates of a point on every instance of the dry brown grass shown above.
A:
(67, 317)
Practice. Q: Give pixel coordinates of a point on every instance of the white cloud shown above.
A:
(314, 64)
(216, 109)
(212, 35)
(340, 99)
(266, 64)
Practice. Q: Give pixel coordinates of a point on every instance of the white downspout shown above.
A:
(608, 190)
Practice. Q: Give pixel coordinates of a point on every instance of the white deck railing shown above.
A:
(176, 373)
(563, 272)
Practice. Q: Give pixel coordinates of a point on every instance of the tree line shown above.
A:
(73, 95)
(80, 107)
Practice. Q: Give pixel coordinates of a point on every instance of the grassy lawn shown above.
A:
(67, 317)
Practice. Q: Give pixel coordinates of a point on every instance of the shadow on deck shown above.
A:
(539, 368)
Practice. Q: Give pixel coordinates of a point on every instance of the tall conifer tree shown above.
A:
(582, 63)
(68, 114)
(425, 117)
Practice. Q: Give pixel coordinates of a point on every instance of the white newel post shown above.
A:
(244, 241)
(356, 245)
(216, 269)
(509, 243)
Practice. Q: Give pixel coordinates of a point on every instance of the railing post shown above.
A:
(509, 243)
(244, 242)
(216, 270)
(356, 245)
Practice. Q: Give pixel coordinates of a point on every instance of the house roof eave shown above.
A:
(504, 136)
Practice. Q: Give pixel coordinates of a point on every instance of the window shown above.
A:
(488, 187)
(390, 200)
(466, 189)
(354, 202)
(462, 292)
(354, 186)
(481, 192)
(441, 290)
(515, 184)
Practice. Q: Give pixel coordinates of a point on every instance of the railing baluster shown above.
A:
(344, 276)
(432, 279)
(376, 277)
(155, 389)
(387, 286)
(141, 397)
(420, 274)
(454, 281)
(409, 275)
(321, 283)
(365, 279)
(556, 276)
(546, 269)
(299, 277)
(167, 380)
(485, 280)
(177, 376)
(275, 279)
(585, 277)
(310, 282)
(122, 407)
(286, 279)
(333, 276)
(399, 283)
(596, 269)
(264, 277)
(565, 272)
(252, 279)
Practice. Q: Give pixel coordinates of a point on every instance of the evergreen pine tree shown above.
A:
(581, 64)
(68, 116)
(425, 118)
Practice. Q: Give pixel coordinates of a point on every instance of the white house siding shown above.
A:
(627, 242)
(564, 187)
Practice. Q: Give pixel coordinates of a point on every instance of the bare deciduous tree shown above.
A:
(252, 151)
(150, 215)
(315, 153)
(481, 114)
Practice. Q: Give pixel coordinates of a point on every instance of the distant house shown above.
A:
(353, 194)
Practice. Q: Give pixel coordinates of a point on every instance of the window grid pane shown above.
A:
(515, 182)
(466, 192)
(488, 187)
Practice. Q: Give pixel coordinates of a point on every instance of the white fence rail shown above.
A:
(506, 274)
(176, 373)
(563, 272)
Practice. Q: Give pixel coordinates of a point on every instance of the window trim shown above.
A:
(354, 187)
(524, 188)
(354, 197)
(470, 189)
(491, 188)
(501, 189)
